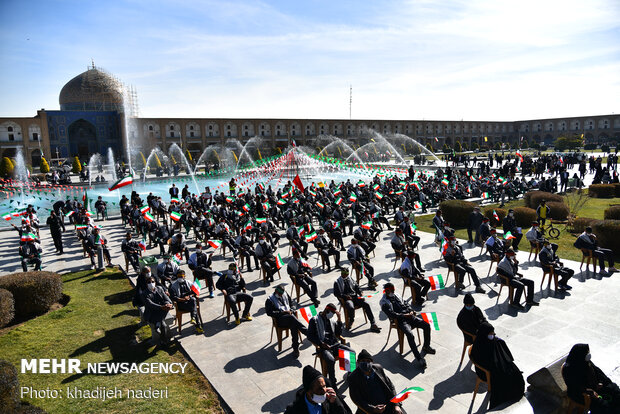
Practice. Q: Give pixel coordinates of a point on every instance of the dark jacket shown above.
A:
(475, 220)
(358, 389)
(153, 301)
(299, 405)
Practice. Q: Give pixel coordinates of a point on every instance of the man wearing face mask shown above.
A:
(549, 260)
(132, 251)
(350, 295)
(166, 271)
(358, 259)
(232, 285)
(316, 397)
(186, 300)
(200, 264)
(509, 267)
(510, 225)
(157, 304)
(326, 334)
(297, 242)
(411, 271)
(302, 275)
(371, 389)
(470, 318)
(282, 308)
(495, 245)
(397, 310)
(264, 252)
(454, 256)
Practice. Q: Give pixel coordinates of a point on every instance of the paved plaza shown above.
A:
(251, 376)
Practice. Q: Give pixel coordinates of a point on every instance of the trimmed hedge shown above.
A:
(558, 211)
(612, 213)
(9, 387)
(33, 292)
(533, 198)
(7, 307)
(617, 186)
(524, 216)
(501, 213)
(580, 224)
(602, 190)
(607, 233)
(456, 212)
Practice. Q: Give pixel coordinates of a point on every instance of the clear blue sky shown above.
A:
(471, 59)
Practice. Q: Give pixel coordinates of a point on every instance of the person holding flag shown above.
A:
(398, 311)
(326, 248)
(325, 333)
(510, 229)
(297, 242)
(200, 264)
(301, 275)
(412, 273)
(131, 251)
(30, 252)
(371, 389)
(185, 298)
(454, 256)
(283, 309)
(264, 253)
(408, 230)
(166, 272)
(232, 285)
(316, 396)
(349, 294)
(359, 260)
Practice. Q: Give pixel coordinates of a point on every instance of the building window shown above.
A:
(228, 127)
(11, 136)
(150, 127)
(210, 127)
(228, 134)
(246, 127)
(10, 129)
(35, 136)
(191, 134)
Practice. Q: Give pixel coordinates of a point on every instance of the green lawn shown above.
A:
(98, 325)
(593, 208)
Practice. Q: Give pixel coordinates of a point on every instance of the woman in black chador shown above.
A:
(492, 353)
(582, 376)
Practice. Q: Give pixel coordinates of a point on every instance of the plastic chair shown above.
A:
(346, 313)
(479, 381)
(588, 255)
(279, 331)
(401, 335)
(504, 281)
(180, 313)
(551, 272)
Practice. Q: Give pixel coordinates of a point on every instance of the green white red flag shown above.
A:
(215, 243)
(176, 216)
(28, 237)
(261, 220)
(353, 197)
(366, 225)
(508, 235)
(7, 216)
(311, 237)
(279, 262)
(436, 282)
(308, 312)
(339, 201)
(404, 394)
(122, 183)
(175, 200)
(431, 319)
(346, 360)
(144, 209)
(379, 195)
(149, 217)
(196, 287)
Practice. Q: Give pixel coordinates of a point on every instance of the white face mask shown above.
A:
(329, 315)
(151, 286)
(588, 357)
(319, 399)
(261, 241)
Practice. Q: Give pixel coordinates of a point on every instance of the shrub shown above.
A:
(475, 146)
(6, 167)
(543, 148)
(9, 387)
(456, 212)
(580, 224)
(533, 198)
(589, 147)
(7, 307)
(44, 166)
(536, 146)
(612, 213)
(33, 292)
(77, 165)
(558, 211)
(605, 148)
(497, 146)
(524, 216)
(501, 213)
(602, 190)
(607, 233)
(617, 187)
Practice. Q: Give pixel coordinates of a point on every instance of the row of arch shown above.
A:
(575, 125)
(12, 131)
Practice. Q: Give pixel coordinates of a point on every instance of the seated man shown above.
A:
(325, 334)
(166, 272)
(495, 245)
(349, 292)
(409, 232)
(358, 260)
(510, 225)
(282, 308)
(297, 242)
(302, 276)
(454, 256)
(370, 388)
(264, 253)
(185, 299)
(232, 285)
(509, 267)
(470, 318)
(246, 249)
(200, 264)
(398, 243)
(549, 260)
(411, 271)
(156, 307)
(534, 235)
(364, 239)
(30, 253)
(327, 249)
(316, 396)
(398, 311)
(587, 240)
(177, 245)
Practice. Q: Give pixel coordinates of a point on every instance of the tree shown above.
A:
(567, 143)
(475, 146)
(458, 147)
(446, 148)
(429, 147)
(77, 166)
(497, 146)
(44, 166)
(6, 167)
(525, 144)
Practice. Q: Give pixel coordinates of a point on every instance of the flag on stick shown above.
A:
(279, 262)
(431, 319)
(346, 360)
(196, 287)
(298, 183)
(404, 394)
(215, 243)
(308, 312)
(176, 216)
(122, 183)
(436, 282)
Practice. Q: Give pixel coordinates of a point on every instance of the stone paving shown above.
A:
(251, 376)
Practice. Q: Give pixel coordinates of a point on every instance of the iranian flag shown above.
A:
(520, 156)
(230, 199)
(404, 394)
(176, 216)
(436, 282)
(508, 235)
(196, 287)
(142, 244)
(436, 140)
(89, 213)
(398, 192)
(375, 187)
(312, 192)
(337, 193)
(367, 225)
(353, 197)
(495, 216)
(122, 183)
(379, 195)
(361, 184)
(346, 360)
(431, 319)
(304, 263)
(215, 243)
(320, 205)
(262, 187)
(266, 206)
(339, 201)
(144, 209)
(417, 185)
(311, 237)
(261, 220)
(248, 225)
(28, 237)
(417, 205)
(7, 216)
(177, 258)
(485, 195)
(149, 217)
(281, 202)
(81, 227)
(69, 213)
(279, 262)
(246, 207)
(175, 200)
(445, 181)
(308, 312)
(336, 225)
